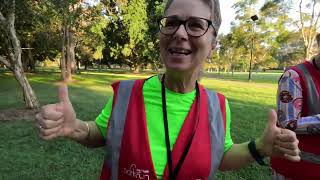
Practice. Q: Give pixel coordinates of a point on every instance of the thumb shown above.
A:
(63, 93)
(272, 119)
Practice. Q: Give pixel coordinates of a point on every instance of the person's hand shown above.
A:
(279, 142)
(55, 120)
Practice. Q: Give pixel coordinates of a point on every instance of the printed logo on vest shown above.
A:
(135, 173)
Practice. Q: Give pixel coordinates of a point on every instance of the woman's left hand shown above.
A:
(276, 141)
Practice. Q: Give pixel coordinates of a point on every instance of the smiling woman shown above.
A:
(169, 126)
(196, 37)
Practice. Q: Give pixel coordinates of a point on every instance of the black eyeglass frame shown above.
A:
(184, 22)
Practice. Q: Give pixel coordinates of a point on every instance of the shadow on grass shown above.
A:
(260, 77)
(25, 156)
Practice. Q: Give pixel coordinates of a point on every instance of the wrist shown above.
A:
(81, 131)
(260, 147)
(255, 154)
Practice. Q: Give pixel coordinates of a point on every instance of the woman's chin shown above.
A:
(178, 68)
(178, 65)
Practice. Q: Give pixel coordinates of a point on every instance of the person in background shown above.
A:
(169, 126)
(299, 110)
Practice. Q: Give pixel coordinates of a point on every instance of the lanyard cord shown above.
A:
(174, 172)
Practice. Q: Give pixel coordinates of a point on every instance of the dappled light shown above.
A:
(60, 58)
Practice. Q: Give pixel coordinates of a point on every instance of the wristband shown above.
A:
(255, 154)
(88, 129)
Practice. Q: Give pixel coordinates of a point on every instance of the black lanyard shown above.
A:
(174, 172)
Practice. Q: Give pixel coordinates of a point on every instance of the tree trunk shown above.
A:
(309, 31)
(25, 62)
(108, 65)
(71, 53)
(78, 65)
(232, 66)
(68, 55)
(14, 56)
(63, 56)
(31, 61)
(29, 96)
(137, 69)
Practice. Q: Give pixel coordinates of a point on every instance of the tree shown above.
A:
(285, 45)
(271, 35)
(131, 36)
(309, 24)
(12, 58)
(155, 9)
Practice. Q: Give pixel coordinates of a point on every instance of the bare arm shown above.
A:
(273, 142)
(88, 134)
(237, 157)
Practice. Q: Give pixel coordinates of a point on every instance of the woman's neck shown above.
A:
(180, 83)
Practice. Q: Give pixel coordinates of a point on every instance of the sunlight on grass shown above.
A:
(89, 91)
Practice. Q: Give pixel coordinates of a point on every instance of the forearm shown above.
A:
(289, 104)
(88, 134)
(290, 117)
(308, 125)
(239, 156)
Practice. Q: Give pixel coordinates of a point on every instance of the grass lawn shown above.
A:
(25, 156)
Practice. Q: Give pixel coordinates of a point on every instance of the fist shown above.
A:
(56, 120)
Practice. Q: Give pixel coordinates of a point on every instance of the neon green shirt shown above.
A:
(178, 106)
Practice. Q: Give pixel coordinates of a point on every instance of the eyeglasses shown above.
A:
(194, 26)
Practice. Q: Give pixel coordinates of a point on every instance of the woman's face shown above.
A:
(181, 52)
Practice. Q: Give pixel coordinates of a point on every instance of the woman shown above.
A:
(299, 111)
(169, 126)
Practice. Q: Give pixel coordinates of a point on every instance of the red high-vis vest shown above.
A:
(128, 153)
(309, 144)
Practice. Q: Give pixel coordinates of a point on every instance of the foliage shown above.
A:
(125, 33)
(273, 43)
(131, 35)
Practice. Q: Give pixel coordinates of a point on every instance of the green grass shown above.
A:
(25, 156)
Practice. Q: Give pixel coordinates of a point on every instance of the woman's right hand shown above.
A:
(57, 120)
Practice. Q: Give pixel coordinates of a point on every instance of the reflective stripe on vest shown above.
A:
(216, 132)
(117, 123)
(116, 126)
(313, 96)
(310, 157)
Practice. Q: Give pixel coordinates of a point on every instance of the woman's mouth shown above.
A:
(179, 51)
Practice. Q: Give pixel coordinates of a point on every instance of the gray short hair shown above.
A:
(215, 12)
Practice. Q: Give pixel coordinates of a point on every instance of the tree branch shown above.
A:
(2, 18)
(5, 62)
(2, 21)
(300, 13)
(317, 21)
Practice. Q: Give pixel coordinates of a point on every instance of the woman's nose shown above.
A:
(181, 32)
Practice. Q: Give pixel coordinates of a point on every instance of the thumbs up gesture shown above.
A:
(55, 120)
(279, 142)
